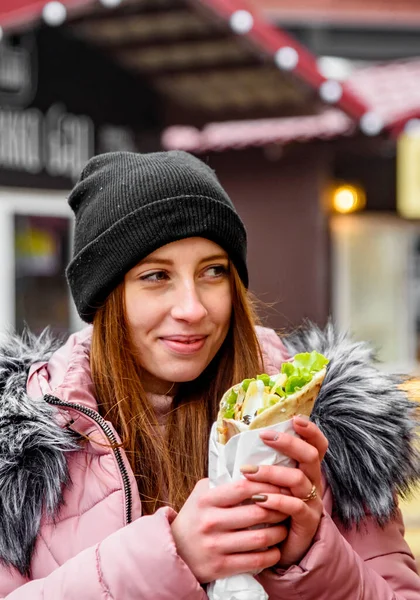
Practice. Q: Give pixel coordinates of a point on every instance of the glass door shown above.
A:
(375, 285)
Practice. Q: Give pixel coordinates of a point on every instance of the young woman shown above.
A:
(103, 441)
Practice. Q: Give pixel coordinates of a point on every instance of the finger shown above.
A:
(249, 562)
(232, 494)
(304, 513)
(311, 433)
(298, 449)
(250, 540)
(293, 480)
(249, 515)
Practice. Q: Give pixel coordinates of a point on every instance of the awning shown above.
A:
(220, 59)
(390, 91)
(214, 55)
(238, 135)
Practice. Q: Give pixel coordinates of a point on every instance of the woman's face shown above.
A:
(178, 306)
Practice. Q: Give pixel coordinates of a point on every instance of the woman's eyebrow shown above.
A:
(214, 257)
(168, 261)
(158, 261)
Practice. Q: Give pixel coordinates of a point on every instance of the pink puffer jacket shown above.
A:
(89, 551)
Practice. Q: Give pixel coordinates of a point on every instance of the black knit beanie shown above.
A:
(127, 205)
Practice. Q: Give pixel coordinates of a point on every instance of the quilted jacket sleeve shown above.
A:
(138, 561)
(366, 564)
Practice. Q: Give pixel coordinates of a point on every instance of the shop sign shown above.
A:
(58, 143)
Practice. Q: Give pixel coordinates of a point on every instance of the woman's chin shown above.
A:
(185, 373)
(186, 377)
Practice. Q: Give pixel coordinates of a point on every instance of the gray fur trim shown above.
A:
(33, 466)
(369, 422)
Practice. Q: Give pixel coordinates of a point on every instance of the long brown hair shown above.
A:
(167, 466)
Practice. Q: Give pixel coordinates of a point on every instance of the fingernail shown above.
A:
(302, 420)
(259, 498)
(268, 435)
(250, 469)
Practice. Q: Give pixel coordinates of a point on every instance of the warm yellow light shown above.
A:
(347, 199)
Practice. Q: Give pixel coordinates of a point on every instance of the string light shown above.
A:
(412, 127)
(241, 21)
(110, 3)
(54, 13)
(331, 91)
(286, 58)
(371, 123)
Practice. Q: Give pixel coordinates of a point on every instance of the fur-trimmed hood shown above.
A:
(33, 468)
(368, 419)
(370, 423)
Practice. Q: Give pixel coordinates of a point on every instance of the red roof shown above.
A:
(21, 13)
(271, 39)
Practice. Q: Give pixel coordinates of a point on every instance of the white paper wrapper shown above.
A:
(225, 462)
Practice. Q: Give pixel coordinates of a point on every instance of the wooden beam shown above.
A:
(186, 57)
(127, 39)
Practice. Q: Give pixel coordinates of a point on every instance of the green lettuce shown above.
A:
(301, 370)
(265, 378)
(230, 402)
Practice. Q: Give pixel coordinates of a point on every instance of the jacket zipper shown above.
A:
(113, 440)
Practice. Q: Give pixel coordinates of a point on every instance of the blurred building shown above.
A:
(373, 46)
(81, 77)
(291, 134)
(287, 132)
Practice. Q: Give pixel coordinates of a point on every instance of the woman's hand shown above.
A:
(297, 484)
(211, 535)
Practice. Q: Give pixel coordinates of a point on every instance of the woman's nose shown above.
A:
(188, 305)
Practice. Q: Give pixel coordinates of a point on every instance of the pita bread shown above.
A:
(299, 403)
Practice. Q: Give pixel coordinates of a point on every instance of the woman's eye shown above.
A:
(155, 277)
(216, 271)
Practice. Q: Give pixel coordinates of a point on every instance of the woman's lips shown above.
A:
(184, 344)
